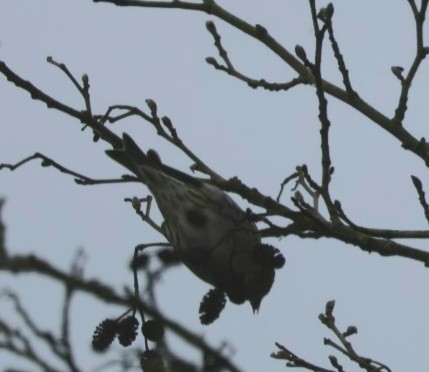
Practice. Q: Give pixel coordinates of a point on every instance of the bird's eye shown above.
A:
(196, 218)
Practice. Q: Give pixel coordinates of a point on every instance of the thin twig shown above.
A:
(68, 356)
(18, 344)
(326, 15)
(230, 69)
(82, 116)
(422, 199)
(284, 183)
(145, 216)
(64, 69)
(80, 178)
(381, 233)
(323, 113)
(421, 53)
(296, 361)
(33, 264)
(329, 321)
(255, 83)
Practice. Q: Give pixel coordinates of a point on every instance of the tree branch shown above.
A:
(80, 178)
(32, 264)
(421, 53)
(407, 140)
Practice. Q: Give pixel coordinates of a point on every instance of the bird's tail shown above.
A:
(134, 159)
(130, 156)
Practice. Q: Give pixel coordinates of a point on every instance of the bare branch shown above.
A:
(421, 53)
(64, 69)
(145, 216)
(230, 70)
(327, 168)
(255, 83)
(82, 116)
(347, 349)
(343, 233)
(3, 251)
(408, 141)
(296, 361)
(284, 183)
(32, 264)
(80, 178)
(19, 345)
(422, 199)
(329, 10)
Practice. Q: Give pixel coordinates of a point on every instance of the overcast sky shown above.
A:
(131, 54)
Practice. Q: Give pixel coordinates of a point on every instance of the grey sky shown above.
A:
(133, 54)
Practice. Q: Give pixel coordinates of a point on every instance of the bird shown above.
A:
(211, 234)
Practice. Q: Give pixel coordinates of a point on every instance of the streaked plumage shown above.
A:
(205, 226)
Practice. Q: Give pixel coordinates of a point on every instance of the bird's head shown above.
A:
(258, 283)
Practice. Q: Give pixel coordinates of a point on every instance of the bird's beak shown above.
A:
(255, 305)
